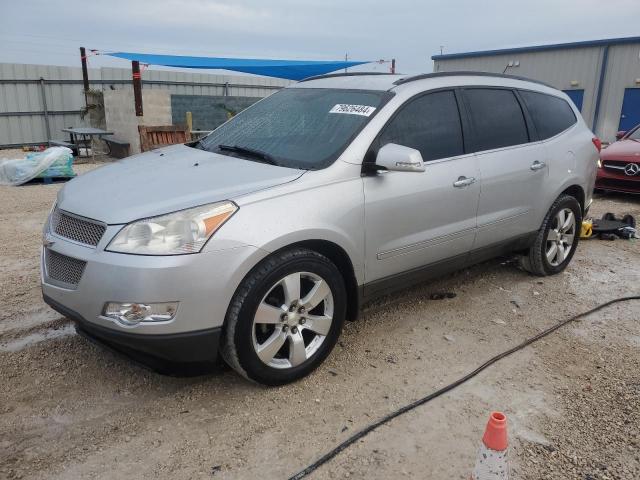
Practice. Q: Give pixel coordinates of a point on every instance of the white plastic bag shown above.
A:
(19, 171)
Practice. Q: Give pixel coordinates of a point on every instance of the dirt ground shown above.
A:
(69, 409)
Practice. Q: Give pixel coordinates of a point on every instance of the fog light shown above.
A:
(134, 313)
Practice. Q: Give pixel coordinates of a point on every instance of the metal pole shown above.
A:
(137, 87)
(189, 118)
(45, 110)
(393, 65)
(346, 59)
(85, 73)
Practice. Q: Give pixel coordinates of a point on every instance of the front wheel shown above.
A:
(285, 318)
(557, 239)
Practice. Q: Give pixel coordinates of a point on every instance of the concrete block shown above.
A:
(121, 118)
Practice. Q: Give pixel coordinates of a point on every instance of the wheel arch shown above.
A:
(340, 259)
(577, 192)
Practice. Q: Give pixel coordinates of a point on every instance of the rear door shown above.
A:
(418, 219)
(513, 168)
(552, 116)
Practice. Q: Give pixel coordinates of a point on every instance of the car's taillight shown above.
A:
(597, 143)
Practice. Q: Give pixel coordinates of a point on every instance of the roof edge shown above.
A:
(538, 48)
(344, 74)
(464, 73)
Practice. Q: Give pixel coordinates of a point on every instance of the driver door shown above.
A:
(424, 219)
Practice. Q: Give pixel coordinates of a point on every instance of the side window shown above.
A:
(497, 118)
(551, 115)
(430, 124)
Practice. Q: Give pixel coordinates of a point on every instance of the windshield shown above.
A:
(303, 128)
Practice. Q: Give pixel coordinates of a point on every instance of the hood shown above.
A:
(622, 150)
(165, 180)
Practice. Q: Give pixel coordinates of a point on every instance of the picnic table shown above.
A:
(84, 136)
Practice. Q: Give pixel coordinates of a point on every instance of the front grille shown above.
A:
(617, 166)
(61, 268)
(77, 229)
(616, 184)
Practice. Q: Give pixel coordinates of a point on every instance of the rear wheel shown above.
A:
(285, 318)
(557, 239)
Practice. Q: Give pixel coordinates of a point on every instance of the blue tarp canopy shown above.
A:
(289, 69)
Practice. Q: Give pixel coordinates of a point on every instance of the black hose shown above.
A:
(368, 429)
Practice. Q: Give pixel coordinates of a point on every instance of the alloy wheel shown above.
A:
(293, 320)
(561, 237)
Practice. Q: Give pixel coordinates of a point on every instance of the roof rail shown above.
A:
(466, 73)
(347, 74)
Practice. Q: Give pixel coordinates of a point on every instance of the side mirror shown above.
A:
(620, 134)
(397, 158)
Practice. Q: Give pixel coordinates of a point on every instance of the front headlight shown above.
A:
(47, 223)
(176, 233)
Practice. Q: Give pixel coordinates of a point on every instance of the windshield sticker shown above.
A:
(363, 110)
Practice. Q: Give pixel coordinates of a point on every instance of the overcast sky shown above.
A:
(50, 32)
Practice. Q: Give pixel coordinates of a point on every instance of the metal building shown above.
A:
(602, 77)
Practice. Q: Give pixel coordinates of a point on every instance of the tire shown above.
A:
(266, 323)
(541, 259)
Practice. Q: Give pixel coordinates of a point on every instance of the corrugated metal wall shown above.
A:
(623, 72)
(22, 119)
(562, 67)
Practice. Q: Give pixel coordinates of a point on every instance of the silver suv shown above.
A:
(259, 240)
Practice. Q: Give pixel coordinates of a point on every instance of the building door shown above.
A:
(630, 115)
(576, 97)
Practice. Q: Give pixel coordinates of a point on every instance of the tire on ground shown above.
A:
(535, 260)
(237, 342)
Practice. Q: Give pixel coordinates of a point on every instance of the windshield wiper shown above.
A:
(259, 154)
(197, 144)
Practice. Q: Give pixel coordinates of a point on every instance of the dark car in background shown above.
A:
(619, 166)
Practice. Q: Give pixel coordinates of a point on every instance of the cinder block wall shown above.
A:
(121, 117)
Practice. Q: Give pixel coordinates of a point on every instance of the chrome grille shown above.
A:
(77, 229)
(63, 269)
(615, 164)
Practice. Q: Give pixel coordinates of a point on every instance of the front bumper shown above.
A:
(191, 347)
(202, 284)
(618, 182)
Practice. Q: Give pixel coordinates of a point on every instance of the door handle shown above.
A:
(537, 165)
(463, 182)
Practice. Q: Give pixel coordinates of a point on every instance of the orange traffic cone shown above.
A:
(492, 455)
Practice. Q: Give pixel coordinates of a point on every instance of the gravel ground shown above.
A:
(69, 409)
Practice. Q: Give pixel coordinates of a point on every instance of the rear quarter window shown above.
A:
(550, 115)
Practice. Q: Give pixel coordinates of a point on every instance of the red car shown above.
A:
(619, 165)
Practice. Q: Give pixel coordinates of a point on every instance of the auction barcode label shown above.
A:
(363, 110)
